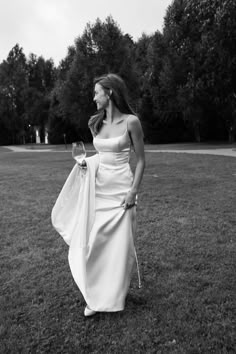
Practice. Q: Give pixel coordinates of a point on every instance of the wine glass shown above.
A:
(78, 151)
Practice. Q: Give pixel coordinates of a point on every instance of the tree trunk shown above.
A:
(231, 135)
(197, 132)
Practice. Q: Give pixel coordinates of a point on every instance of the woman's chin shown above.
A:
(101, 107)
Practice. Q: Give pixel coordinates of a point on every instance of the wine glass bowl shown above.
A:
(78, 151)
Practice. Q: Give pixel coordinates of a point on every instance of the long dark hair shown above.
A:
(119, 96)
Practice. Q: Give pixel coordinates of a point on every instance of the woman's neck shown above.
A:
(112, 113)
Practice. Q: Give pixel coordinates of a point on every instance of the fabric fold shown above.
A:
(74, 208)
(73, 216)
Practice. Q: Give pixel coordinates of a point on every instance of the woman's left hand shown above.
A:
(129, 200)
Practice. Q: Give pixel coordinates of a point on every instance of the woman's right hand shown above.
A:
(82, 165)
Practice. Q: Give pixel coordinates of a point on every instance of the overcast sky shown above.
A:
(48, 27)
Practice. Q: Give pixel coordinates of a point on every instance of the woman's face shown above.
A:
(101, 98)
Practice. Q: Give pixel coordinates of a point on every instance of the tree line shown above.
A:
(182, 82)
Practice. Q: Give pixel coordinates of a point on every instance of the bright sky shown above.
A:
(48, 27)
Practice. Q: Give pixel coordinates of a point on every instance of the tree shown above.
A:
(182, 33)
(225, 73)
(41, 80)
(202, 34)
(13, 83)
(101, 49)
(25, 86)
(65, 63)
(144, 72)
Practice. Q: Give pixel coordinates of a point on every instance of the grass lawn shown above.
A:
(186, 243)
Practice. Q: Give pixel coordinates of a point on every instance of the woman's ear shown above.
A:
(110, 93)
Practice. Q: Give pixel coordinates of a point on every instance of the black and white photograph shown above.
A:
(118, 177)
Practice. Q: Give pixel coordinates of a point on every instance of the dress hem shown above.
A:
(117, 310)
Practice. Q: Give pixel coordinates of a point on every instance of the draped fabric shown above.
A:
(100, 233)
(73, 217)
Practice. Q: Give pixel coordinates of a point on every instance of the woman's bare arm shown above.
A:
(136, 133)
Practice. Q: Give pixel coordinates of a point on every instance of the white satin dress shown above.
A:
(111, 254)
(102, 263)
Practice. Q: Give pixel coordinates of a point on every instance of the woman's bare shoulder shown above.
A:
(132, 118)
(133, 122)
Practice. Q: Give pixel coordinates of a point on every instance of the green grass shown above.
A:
(186, 246)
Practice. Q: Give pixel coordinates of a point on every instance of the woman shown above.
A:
(102, 265)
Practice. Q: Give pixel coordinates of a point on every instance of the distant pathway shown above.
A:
(211, 151)
(23, 149)
(222, 152)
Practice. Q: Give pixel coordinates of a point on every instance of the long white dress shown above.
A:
(102, 267)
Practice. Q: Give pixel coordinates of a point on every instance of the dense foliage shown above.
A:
(25, 87)
(182, 82)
